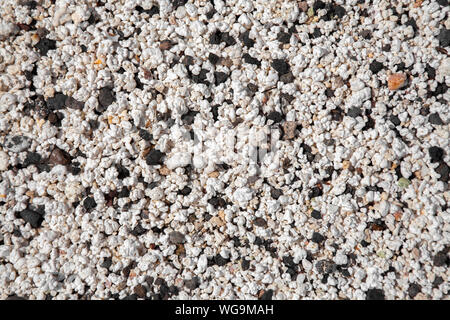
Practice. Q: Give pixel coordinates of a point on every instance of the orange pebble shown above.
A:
(398, 215)
(417, 3)
(396, 81)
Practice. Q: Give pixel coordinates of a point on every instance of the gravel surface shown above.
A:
(194, 149)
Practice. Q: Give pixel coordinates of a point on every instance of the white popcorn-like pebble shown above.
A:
(243, 195)
(7, 29)
(4, 160)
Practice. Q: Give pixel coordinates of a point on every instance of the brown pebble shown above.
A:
(41, 32)
(227, 62)
(287, 78)
(164, 171)
(127, 270)
(146, 152)
(289, 129)
(176, 237)
(122, 286)
(222, 215)
(398, 215)
(416, 253)
(216, 221)
(147, 75)
(338, 82)
(260, 222)
(213, 174)
(303, 6)
(180, 250)
(52, 117)
(260, 293)
(59, 156)
(252, 179)
(149, 280)
(442, 50)
(24, 27)
(110, 198)
(72, 103)
(165, 45)
(140, 291)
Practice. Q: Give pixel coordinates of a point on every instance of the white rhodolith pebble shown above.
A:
(177, 160)
(4, 159)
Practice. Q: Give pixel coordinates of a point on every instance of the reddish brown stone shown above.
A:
(140, 291)
(59, 156)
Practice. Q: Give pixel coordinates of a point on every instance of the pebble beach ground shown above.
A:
(224, 149)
